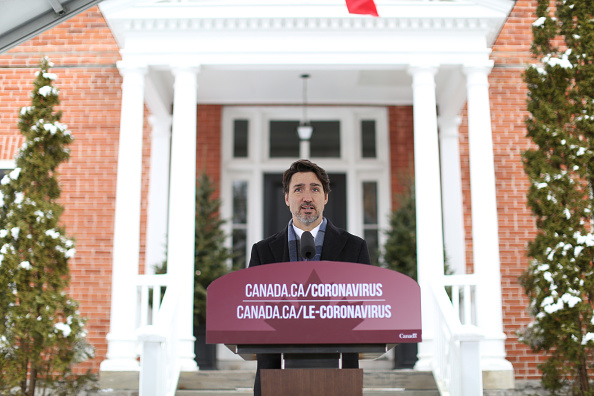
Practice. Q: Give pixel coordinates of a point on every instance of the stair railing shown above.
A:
(159, 366)
(457, 363)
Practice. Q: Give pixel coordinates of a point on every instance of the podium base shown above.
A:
(312, 382)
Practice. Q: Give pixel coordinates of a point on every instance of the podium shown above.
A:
(312, 313)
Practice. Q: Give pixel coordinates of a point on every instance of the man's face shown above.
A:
(306, 200)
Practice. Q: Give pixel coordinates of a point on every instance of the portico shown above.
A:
(431, 55)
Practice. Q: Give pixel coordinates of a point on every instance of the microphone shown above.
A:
(308, 246)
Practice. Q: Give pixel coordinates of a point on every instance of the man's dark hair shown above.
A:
(304, 165)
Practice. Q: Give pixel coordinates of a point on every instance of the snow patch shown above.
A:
(26, 109)
(14, 174)
(561, 62)
(587, 239)
(539, 22)
(47, 90)
(64, 328)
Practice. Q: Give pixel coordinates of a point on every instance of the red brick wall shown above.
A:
(401, 148)
(84, 53)
(146, 167)
(208, 142)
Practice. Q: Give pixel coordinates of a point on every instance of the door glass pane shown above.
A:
(239, 202)
(370, 221)
(369, 203)
(371, 238)
(239, 248)
(240, 138)
(284, 141)
(239, 233)
(325, 140)
(368, 139)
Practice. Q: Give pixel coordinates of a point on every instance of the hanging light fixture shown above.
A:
(304, 129)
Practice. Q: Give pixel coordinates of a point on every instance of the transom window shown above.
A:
(285, 143)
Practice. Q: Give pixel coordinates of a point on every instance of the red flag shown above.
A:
(365, 7)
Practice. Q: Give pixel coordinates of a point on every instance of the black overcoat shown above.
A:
(339, 245)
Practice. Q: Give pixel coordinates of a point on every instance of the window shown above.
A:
(240, 138)
(370, 219)
(324, 142)
(240, 222)
(368, 139)
(284, 141)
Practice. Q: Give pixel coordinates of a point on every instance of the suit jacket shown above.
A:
(339, 245)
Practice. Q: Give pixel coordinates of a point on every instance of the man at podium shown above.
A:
(308, 236)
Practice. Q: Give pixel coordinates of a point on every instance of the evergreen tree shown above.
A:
(400, 249)
(41, 332)
(559, 281)
(211, 253)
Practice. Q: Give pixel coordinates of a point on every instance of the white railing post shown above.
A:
(457, 366)
(470, 374)
(159, 363)
(151, 381)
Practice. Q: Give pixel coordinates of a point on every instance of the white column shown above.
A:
(451, 192)
(121, 353)
(428, 202)
(485, 232)
(182, 207)
(158, 199)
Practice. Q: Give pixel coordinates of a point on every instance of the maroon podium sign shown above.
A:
(316, 302)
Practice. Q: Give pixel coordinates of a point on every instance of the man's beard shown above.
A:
(307, 218)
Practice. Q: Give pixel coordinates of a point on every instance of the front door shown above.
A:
(277, 215)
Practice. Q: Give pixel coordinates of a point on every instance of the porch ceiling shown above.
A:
(326, 86)
(284, 86)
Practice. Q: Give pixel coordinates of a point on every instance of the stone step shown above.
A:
(366, 392)
(240, 382)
